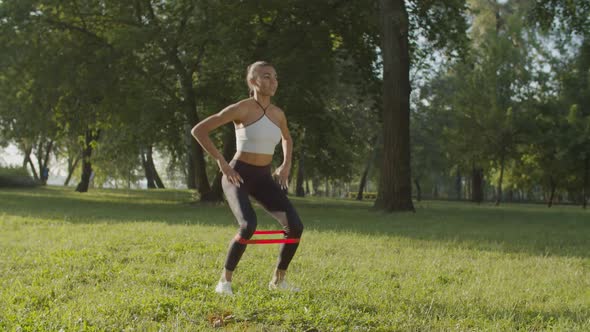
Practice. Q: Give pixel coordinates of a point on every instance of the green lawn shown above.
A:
(149, 260)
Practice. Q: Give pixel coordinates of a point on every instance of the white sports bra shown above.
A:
(260, 136)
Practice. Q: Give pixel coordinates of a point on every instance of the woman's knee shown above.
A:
(248, 227)
(295, 226)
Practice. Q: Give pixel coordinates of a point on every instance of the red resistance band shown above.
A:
(266, 241)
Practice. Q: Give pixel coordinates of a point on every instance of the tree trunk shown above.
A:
(197, 171)
(151, 184)
(370, 161)
(86, 173)
(27, 161)
(152, 165)
(71, 168)
(42, 155)
(395, 187)
(39, 156)
(552, 186)
(499, 192)
(435, 191)
(35, 176)
(151, 174)
(359, 195)
(477, 185)
(299, 191)
(585, 189)
(86, 164)
(27, 153)
(418, 190)
(229, 149)
(30, 163)
(191, 178)
(197, 157)
(216, 193)
(458, 185)
(315, 185)
(45, 172)
(307, 187)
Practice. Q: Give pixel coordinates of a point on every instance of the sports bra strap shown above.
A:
(263, 108)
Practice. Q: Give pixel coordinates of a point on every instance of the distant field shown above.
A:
(149, 260)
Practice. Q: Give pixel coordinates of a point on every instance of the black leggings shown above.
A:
(259, 184)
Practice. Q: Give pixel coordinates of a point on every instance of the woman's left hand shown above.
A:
(282, 174)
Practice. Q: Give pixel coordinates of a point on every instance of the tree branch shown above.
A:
(195, 67)
(69, 26)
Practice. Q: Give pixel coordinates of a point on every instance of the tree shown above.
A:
(27, 86)
(576, 97)
(443, 23)
(395, 190)
(567, 19)
(485, 95)
(568, 16)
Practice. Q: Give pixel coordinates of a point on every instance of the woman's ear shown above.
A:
(253, 84)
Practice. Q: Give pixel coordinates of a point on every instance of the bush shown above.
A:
(16, 177)
(368, 195)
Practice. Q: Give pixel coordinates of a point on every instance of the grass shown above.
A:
(149, 260)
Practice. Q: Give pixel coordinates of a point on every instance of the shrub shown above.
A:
(366, 195)
(16, 177)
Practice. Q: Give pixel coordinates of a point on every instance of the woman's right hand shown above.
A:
(230, 173)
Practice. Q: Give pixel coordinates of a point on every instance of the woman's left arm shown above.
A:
(287, 143)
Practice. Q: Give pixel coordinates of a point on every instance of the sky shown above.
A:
(10, 156)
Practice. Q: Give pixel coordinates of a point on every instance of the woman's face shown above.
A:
(265, 81)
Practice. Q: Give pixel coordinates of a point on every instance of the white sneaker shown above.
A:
(282, 286)
(224, 287)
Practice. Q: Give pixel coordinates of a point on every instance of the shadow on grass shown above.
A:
(520, 315)
(536, 230)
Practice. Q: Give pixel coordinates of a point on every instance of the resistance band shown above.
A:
(266, 241)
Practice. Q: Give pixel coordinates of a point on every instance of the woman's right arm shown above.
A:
(201, 133)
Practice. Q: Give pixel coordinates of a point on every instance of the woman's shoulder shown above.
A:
(278, 112)
(239, 107)
(278, 109)
(243, 103)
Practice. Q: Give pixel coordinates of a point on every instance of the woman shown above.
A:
(259, 127)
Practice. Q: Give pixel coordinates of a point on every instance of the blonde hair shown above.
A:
(250, 73)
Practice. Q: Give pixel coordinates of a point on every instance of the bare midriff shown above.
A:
(256, 159)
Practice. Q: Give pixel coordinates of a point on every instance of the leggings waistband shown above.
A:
(235, 163)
